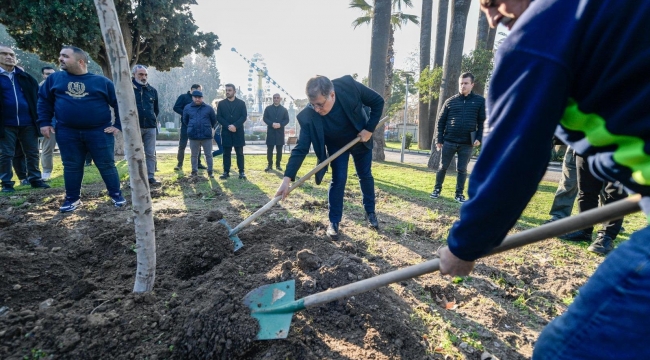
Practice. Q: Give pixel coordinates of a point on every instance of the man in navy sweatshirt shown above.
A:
(574, 68)
(18, 91)
(82, 102)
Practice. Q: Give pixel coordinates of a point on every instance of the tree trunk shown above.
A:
(140, 197)
(492, 33)
(441, 35)
(482, 32)
(424, 140)
(377, 74)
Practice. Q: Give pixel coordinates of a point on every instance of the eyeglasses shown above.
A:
(320, 106)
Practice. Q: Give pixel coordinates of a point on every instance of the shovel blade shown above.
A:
(234, 238)
(273, 306)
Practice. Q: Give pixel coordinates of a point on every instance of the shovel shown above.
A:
(273, 305)
(232, 232)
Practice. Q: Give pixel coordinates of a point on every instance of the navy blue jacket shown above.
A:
(354, 97)
(581, 78)
(79, 101)
(275, 114)
(232, 113)
(29, 88)
(200, 120)
(146, 99)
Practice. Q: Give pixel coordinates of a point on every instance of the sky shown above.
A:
(302, 38)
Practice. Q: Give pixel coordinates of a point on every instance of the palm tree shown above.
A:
(397, 20)
(438, 57)
(424, 140)
(377, 72)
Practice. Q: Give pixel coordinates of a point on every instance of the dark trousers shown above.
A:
(363, 166)
(20, 162)
(449, 149)
(588, 190)
(217, 139)
(269, 154)
(227, 150)
(28, 138)
(182, 144)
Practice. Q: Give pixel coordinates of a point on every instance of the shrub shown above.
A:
(167, 136)
(409, 140)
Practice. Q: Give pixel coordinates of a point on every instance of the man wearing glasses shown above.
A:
(338, 113)
(585, 76)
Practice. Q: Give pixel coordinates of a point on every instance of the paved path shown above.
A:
(553, 173)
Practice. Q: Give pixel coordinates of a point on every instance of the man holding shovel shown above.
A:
(338, 113)
(584, 73)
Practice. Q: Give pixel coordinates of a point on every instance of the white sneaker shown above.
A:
(46, 176)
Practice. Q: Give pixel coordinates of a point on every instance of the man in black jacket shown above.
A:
(460, 128)
(231, 114)
(18, 96)
(276, 117)
(182, 101)
(337, 114)
(146, 99)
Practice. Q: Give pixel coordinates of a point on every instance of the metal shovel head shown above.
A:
(273, 306)
(235, 239)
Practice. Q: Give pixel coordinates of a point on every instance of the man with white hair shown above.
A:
(146, 99)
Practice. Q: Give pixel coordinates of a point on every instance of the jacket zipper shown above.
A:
(13, 85)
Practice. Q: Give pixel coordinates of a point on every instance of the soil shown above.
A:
(66, 287)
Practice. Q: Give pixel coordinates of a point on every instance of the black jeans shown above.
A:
(449, 149)
(269, 154)
(227, 150)
(588, 190)
(20, 162)
(28, 138)
(182, 144)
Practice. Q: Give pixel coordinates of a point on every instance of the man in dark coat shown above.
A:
(200, 120)
(337, 114)
(276, 117)
(231, 114)
(146, 100)
(180, 104)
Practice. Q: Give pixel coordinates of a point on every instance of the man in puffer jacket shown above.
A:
(460, 128)
(200, 119)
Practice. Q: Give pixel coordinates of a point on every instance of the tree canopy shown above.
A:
(156, 32)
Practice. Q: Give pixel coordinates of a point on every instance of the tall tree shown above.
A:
(145, 238)
(381, 26)
(438, 58)
(156, 32)
(424, 140)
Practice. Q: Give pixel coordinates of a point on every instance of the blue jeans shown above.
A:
(363, 165)
(217, 139)
(74, 144)
(149, 143)
(609, 317)
(449, 149)
(28, 138)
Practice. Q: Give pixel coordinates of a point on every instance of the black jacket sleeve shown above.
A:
(442, 122)
(374, 101)
(179, 105)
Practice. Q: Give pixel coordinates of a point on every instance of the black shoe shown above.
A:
(278, 168)
(154, 182)
(333, 231)
(460, 198)
(242, 176)
(268, 168)
(435, 194)
(39, 184)
(194, 173)
(7, 188)
(224, 176)
(551, 220)
(89, 164)
(372, 220)
(602, 245)
(178, 167)
(202, 167)
(579, 235)
(210, 175)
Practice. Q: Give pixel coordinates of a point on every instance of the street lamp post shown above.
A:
(407, 75)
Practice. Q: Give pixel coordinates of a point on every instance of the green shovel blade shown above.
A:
(273, 307)
(234, 238)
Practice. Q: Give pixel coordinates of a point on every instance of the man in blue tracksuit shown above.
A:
(82, 102)
(146, 100)
(574, 68)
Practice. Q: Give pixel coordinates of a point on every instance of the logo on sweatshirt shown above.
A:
(76, 89)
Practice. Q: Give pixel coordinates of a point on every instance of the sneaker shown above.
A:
(154, 182)
(333, 231)
(7, 188)
(460, 198)
(268, 168)
(435, 194)
(242, 176)
(118, 200)
(39, 184)
(210, 175)
(602, 245)
(551, 220)
(579, 235)
(70, 205)
(46, 176)
(194, 173)
(25, 182)
(372, 220)
(224, 176)
(178, 167)
(278, 168)
(202, 167)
